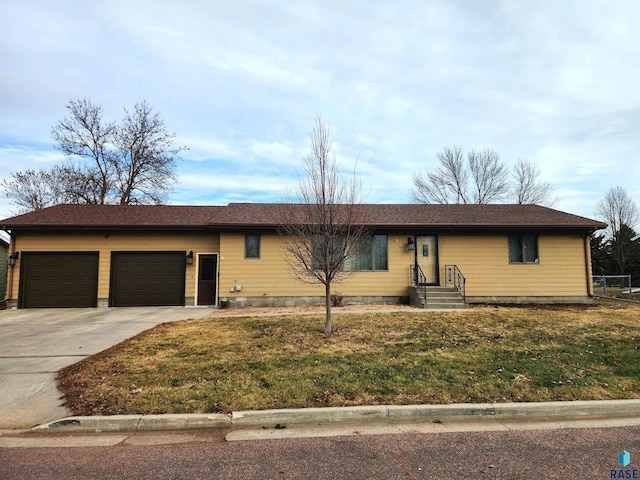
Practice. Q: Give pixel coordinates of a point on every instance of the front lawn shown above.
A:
(485, 354)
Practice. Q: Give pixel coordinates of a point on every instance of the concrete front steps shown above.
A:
(436, 298)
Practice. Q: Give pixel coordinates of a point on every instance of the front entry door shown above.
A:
(427, 254)
(207, 279)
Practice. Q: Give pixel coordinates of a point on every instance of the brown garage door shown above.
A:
(147, 278)
(58, 279)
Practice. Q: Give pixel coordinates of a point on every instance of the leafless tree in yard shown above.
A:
(489, 176)
(33, 189)
(86, 137)
(619, 210)
(106, 162)
(527, 187)
(481, 179)
(323, 219)
(64, 182)
(448, 184)
(80, 183)
(145, 170)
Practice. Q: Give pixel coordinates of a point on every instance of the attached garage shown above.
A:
(147, 279)
(58, 279)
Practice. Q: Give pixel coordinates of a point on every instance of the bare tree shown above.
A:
(527, 187)
(107, 163)
(618, 209)
(81, 183)
(33, 189)
(323, 220)
(448, 184)
(489, 176)
(85, 136)
(145, 170)
(64, 182)
(481, 179)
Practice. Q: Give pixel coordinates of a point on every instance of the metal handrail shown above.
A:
(418, 278)
(454, 276)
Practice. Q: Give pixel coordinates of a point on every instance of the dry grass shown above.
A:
(482, 355)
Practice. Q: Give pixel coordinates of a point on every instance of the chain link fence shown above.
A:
(617, 286)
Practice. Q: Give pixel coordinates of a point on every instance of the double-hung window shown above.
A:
(523, 248)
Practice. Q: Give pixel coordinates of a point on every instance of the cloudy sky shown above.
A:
(239, 82)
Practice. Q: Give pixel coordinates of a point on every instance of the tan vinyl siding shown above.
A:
(197, 242)
(270, 276)
(484, 261)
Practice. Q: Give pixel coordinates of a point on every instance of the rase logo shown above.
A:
(624, 459)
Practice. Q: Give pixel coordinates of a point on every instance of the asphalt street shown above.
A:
(534, 454)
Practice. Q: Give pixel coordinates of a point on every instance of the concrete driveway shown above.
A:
(36, 343)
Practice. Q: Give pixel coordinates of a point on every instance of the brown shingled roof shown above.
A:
(265, 215)
(120, 216)
(421, 215)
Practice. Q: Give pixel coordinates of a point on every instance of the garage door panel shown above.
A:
(147, 279)
(59, 279)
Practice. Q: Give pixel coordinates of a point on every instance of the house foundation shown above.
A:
(294, 301)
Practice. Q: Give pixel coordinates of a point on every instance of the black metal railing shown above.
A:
(453, 276)
(418, 278)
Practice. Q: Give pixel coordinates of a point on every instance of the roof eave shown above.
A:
(102, 227)
(423, 226)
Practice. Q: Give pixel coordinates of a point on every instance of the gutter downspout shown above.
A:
(587, 263)
(12, 249)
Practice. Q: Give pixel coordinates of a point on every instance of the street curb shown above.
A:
(378, 414)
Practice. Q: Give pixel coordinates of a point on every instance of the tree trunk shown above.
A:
(327, 302)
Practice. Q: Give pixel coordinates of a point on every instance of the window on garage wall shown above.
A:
(523, 248)
(252, 245)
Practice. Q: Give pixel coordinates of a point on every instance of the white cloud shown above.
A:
(18, 157)
(202, 149)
